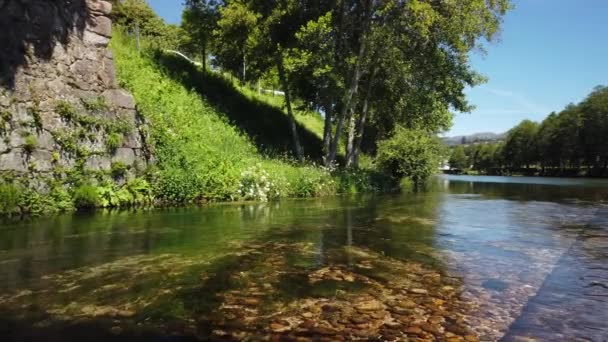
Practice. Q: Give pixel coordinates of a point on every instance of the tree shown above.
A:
(199, 19)
(594, 129)
(520, 146)
(414, 154)
(137, 17)
(458, 158)
(415, 51)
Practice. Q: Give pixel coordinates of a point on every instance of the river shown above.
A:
(473, 259)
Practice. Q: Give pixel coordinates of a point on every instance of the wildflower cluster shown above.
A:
(256, 185)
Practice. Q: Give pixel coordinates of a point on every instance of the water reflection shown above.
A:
(457, 263)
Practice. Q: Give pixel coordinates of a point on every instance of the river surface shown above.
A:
(473, 259)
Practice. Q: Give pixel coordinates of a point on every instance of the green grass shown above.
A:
(212, 138)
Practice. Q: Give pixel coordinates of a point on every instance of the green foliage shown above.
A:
(118, 169)
(570, 142)
(86, 197)
(55, 157)
(136, 16)
(200, 155)
(34, 111)
(199, 19)
(66, 110)
(458, 158)
(521, 147)
(410, 153)
(114, 141)
(30, 143)
(96, 104)
(9, 199)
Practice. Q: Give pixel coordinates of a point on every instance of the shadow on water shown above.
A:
(266, 125)
(38, 24)
(273, 267)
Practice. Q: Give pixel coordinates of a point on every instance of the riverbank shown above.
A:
(210, 139)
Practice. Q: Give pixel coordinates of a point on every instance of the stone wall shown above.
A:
(60, 105)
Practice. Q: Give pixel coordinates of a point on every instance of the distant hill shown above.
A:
(473, 138)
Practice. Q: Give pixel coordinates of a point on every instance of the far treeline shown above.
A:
(573, 142)
(377, 70)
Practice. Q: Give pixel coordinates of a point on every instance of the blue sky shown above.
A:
(550, 53)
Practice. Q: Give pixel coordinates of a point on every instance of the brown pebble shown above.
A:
(471, 338)
(435, 319)
(419, 291)
(276, 327)
(323, 330)
(413, 331)
(432, 328)
(251, 301)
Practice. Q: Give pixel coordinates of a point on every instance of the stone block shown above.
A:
(119, 98)
(16, 139)
(42, 160)
(107, 74)
(14, 160)
(45, 141)
(102, 26)
(97, 163)
(100, 7)
(58, 87)
(124, 155)
(133, 140)
(94, 39)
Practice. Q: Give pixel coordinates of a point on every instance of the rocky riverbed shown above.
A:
(281, 291)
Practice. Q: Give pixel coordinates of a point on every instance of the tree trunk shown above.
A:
(244, 68)
(292, 120)
(363, 120)
(353, 87)
(327, 135)
(204, 56)
(350, 142)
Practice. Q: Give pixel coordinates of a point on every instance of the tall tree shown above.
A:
(232, 36)
(521, 148)
(199, 19)
(594, 116)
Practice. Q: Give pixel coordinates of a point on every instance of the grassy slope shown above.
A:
(205, 143)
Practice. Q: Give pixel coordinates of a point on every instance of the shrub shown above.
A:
(97, 104)
(30, 143)
(118, 169)
(35, 113)
(256, 185)
(9, 198)
(66, 110)
(86, 197)
(410, 153)
(114, 141)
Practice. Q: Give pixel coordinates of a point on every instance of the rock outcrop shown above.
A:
(61, 108)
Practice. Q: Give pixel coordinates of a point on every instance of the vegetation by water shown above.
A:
(569, 143)
(346, 60)
(383, 75)
(470, 261)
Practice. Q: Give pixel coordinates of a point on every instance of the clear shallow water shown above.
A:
(477, 258)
